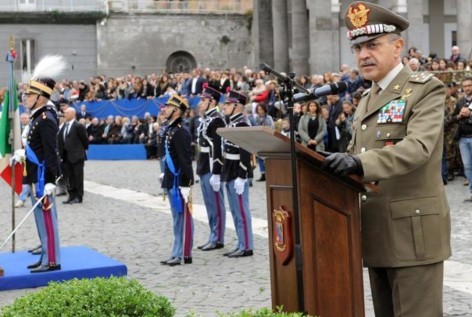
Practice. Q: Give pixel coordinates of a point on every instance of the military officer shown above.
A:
(42, 164)
(178, 179)
(397, 143)
(209, 166)
(236, 171)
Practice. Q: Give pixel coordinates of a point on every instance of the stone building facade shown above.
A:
(309, 36)
(120, 37)
(117, 37)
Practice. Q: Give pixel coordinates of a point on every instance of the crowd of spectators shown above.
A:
(325, 123)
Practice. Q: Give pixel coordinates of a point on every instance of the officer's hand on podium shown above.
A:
(342, 163)
(239, 185)
(185, 191)
(49, 188)
(215, 182)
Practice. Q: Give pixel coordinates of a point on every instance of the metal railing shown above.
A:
(53, 5)
(181, 6)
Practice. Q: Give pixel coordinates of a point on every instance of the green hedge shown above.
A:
(97, 297)
(263, 312)
(106, 297)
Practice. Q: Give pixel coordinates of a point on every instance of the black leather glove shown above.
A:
(342, 163)
(324, 153)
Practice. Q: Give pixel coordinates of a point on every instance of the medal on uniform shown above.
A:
(392, 112)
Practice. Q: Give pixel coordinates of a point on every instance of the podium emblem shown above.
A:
(282, 235)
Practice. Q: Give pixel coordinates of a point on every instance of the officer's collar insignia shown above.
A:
(358, 16)
(407, 93)
(396, 87)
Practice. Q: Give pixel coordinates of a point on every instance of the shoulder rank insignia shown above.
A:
(420, 78)
(44, 115)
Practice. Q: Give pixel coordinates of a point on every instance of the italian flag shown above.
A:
(6, 149)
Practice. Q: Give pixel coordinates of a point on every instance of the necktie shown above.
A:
(374, 94)
(66, 130)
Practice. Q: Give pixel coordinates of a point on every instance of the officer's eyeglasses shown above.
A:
(370, 46)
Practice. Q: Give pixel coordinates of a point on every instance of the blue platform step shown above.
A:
(77, 262)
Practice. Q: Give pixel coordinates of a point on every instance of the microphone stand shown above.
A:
(288, 84)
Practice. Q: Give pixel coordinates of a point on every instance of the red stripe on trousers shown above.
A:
(243, 216)
(49, 231)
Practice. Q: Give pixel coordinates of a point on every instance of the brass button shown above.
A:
(417, 211)
(364, 127)
(363, 197)
(388, 134)
(363, 150)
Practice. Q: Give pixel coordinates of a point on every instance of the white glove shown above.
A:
(49, 188)
(239, 185)
(161, 177)
(215, 182)
(19, 156)
(185, 191)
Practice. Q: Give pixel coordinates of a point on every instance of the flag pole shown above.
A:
(11, 112)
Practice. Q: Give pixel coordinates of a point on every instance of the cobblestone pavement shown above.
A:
(124, 216)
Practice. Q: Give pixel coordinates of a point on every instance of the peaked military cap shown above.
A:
(179, 102)
(209, 92)
(366, 21)
(42, 87)
(236, 97)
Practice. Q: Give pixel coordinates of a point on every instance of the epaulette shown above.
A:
(420, 78)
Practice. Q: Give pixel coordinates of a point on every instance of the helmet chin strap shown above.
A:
(171, 114)
(35, 102)
(234, 108)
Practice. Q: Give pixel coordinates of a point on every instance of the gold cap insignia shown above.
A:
(358, 17)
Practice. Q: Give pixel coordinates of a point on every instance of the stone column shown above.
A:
(324, 37)
(262, 34)
(300, 38)
(280, 27)
(464, 28)
(414, 15)
(436, 28)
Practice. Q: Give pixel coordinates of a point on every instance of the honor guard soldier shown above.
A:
(178, 179)
(42, 164)
(209, 167)
(236, 171)
(397, 143)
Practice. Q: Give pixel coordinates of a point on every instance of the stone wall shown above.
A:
(142, 44)
(135, 43)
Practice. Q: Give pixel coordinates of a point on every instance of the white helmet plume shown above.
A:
(50, 66)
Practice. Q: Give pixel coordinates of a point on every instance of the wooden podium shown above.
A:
(329, 224)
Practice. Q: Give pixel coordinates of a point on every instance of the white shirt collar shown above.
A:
(384, 82)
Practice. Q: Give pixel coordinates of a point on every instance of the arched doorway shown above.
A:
(180, 62)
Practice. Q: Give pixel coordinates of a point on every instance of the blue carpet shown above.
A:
(77, 262)
(116, 152)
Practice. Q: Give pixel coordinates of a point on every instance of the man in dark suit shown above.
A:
(334, 112)
(72, 143)
(83, 114)
(196, 83)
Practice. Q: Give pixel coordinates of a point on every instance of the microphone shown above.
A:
(331, 89)
(282, 77)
